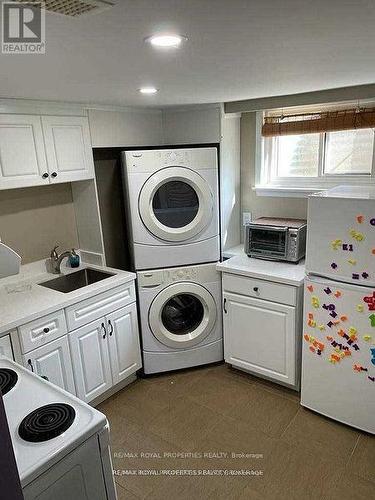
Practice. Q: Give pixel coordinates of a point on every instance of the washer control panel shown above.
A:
(180, 274)
(151, 279)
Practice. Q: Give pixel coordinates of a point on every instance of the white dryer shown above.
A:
(173, 198)
(181, 317)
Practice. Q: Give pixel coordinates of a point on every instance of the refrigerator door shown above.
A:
(341, 236)
(338, 355)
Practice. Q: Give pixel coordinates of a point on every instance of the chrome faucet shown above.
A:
(56, 259)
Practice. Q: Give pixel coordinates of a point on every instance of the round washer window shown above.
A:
(175, 204)
(182, 314)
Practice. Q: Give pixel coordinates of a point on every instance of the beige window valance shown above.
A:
(311, 123)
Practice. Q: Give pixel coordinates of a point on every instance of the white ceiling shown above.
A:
(236, 50)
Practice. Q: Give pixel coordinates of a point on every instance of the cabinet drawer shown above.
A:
(95, 307)
(260, 289)
(41, 331)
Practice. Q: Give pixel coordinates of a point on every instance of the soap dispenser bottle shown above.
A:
(74, 259)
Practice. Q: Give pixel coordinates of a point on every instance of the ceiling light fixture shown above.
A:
(166, 41)
(148, 90)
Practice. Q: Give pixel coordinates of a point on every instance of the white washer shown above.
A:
(173, 200)
(181, 317)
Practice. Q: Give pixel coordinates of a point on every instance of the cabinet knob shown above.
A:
(54, 174)
(256, 289)
(46, 329)
(45, 175)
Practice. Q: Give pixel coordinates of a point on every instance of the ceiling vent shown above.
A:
(75, 8)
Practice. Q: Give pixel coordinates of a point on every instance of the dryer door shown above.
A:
(176, 204)
(182, 315)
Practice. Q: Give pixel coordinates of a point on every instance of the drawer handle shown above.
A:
(225, 306)
(111, 330)
(256, 289)
(30, 364)
(105, 331)
(46, 329)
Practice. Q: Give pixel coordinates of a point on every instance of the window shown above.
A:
(349, 152)
(307, 162)
(297, 155)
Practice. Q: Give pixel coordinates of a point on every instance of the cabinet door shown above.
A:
(124, 347)
(260, 336)
(6, 347)
(92, 370)
(68, 148)
(52, 362)
(22, 154)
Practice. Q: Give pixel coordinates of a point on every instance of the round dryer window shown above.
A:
(175, 204)
(182, 315)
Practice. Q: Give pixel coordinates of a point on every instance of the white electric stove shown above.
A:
(61, 444)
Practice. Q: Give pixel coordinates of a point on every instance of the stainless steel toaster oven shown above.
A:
(276, 239)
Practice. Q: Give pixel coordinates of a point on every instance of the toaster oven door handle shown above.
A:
(281, 229)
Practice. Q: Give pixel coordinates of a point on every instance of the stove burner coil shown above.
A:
(8, 379)
(46, 422)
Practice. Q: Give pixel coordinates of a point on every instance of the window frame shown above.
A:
(265, 185)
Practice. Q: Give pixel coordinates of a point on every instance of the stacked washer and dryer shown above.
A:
(173, 203)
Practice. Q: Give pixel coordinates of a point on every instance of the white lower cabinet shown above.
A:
(87, 348)
(124, 348)
(6, 347)
(52, 362)
(105, 352)
(90, 356)
(260, 337)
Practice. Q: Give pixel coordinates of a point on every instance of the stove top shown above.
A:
(45, 422)
(8, 379)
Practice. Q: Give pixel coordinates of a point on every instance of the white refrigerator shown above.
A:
(338, 355)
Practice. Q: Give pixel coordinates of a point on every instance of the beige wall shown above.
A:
(33, 220)
(250, 201)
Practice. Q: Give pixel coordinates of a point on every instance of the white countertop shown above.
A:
(280, 272)
(22, 299)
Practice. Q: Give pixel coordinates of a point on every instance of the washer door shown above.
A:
(176, 204)
(182, 315)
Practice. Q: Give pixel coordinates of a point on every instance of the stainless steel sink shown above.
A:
(74, 281)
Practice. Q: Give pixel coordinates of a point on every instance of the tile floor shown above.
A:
(221, 411)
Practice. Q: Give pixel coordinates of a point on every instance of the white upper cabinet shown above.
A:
(68, 148)
(37, 150)
(22, 154)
